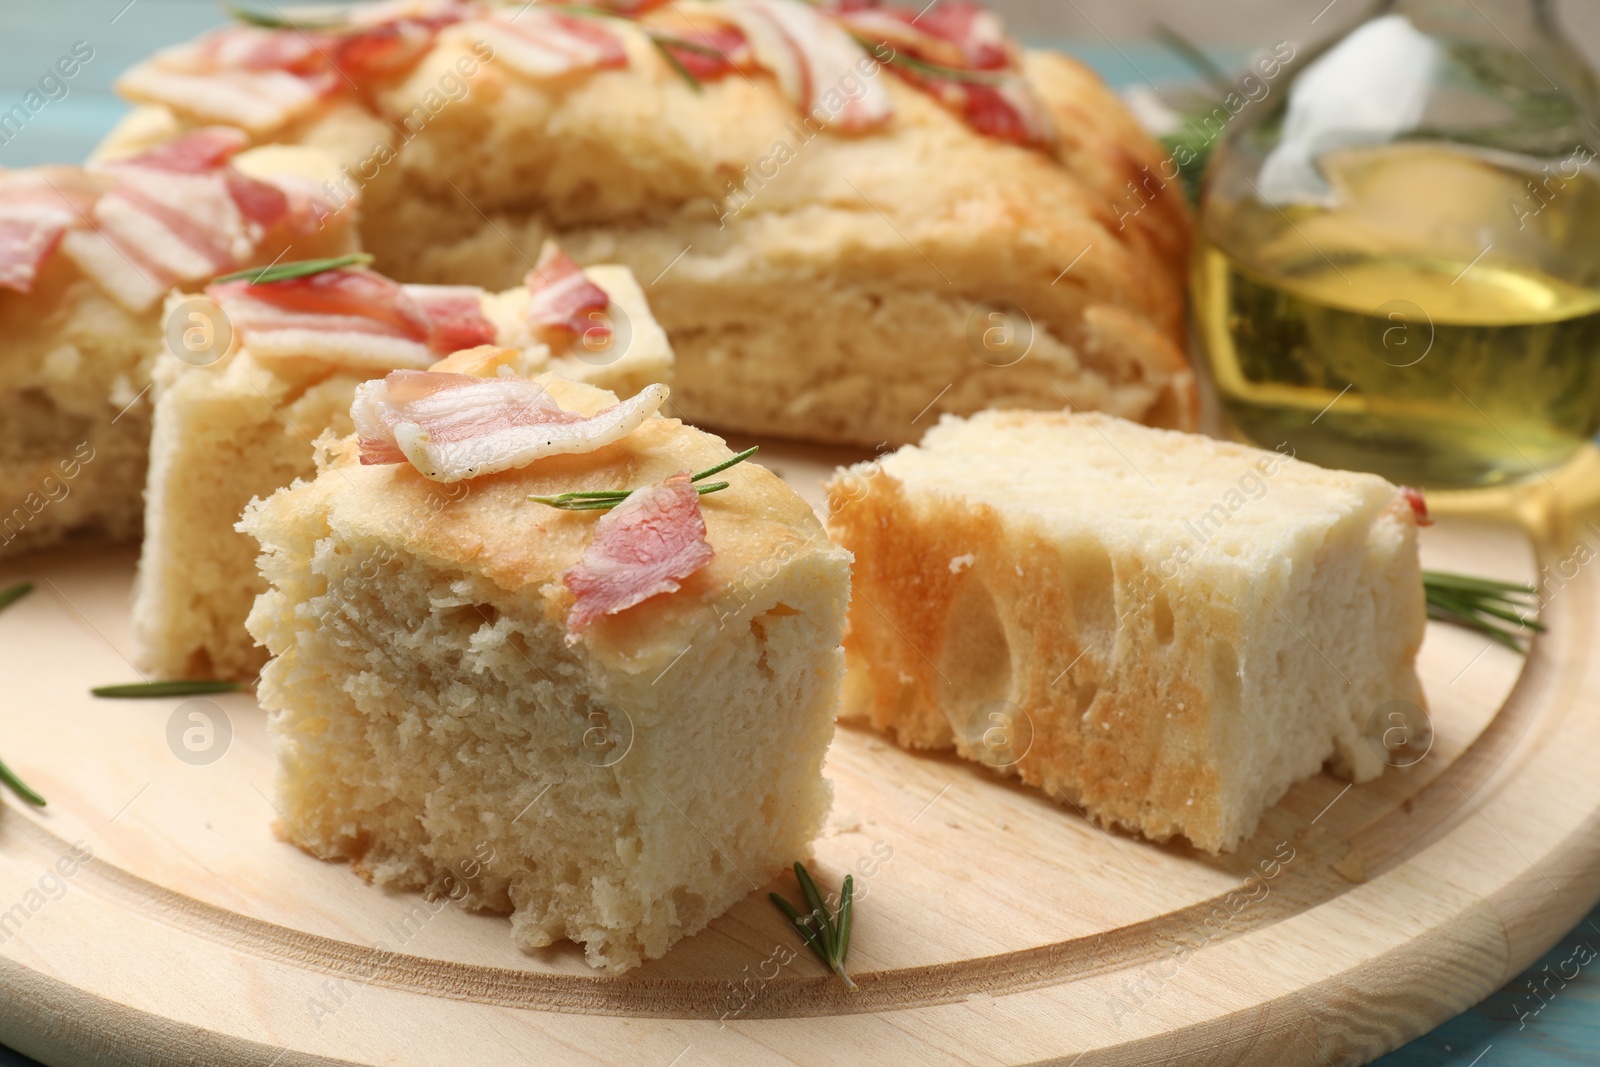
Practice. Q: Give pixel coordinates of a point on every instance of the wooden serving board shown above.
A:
(992, 926)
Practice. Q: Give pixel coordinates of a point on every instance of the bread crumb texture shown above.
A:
(1162, 629)
(427, 711)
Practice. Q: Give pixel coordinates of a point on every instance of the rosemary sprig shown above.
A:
(15, 593)
(9, 596)
(19, 787)
(828, 935)
(603, 499)
(180, 688)
(675, 63)
(282, 272)
(932, 70)
(265, 21)
(1499, 610)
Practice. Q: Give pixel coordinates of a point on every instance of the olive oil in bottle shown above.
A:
(1436, 318)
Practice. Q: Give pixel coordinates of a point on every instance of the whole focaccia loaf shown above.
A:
(840, 244)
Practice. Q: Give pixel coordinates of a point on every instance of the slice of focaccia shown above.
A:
(627, 710)
(850, 216)
(1164, 629)
(86, 256)
(242, 426)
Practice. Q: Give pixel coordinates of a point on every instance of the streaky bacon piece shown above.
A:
(261, 78)
(973, 28)
(1419, 504)
(561, 297)
(24, 246)
(198, 152)
(456, 426)
(345, 291)
(965, 38)
(37, 208)
(542, 42)
(455, 316)
(259, 99)
(814, 60)
(354, 318)
(174, 213)
(643, 547)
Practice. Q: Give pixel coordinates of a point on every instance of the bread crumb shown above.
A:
(961, 563)
(843, 822)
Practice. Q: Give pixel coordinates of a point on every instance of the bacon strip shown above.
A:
(175, 213)
(257, 100)
(261, 79)
(354, 318)
(965, 38)
(815, 61)
(563, 299)
(540, 42)
(455, 426)
(37, 208)
(1419, 504)
(643, 547)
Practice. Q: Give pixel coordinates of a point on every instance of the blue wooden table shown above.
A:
(1513, 1027)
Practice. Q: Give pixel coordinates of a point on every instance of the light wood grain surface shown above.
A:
(993, 928)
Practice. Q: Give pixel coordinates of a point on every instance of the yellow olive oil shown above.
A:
(1435, 319)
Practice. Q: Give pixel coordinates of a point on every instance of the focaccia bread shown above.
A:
(440, 693)
(840, 244)
(86, 255)
(1163, 629)
(242, 427)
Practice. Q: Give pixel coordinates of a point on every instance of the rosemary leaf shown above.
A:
(180, 688)
(1444, 579)
(15, 593)
(830, 937)
(676, 64)
(8, 777)
(282, 272)
(725, 464)
(819, 909)
(19, 787)
(1500, 610)
(799, 925)
(265, 21)
(605, 499)
(847, 894)
(934, 70)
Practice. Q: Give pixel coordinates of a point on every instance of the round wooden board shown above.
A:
(992, 927)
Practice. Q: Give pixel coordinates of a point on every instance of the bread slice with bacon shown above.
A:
(1164, 630)
(497, 688)
(851, 216)
(86, 255)
(242, 427)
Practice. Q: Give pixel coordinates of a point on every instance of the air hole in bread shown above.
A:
(977, 652)
(1090, 588)
(1161, 616)
(1224, 677)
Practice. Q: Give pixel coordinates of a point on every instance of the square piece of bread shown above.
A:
(242, 428)
(427, 708)
(1164, 629)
